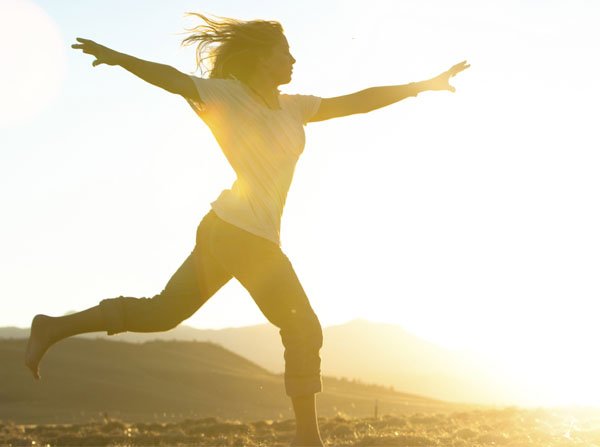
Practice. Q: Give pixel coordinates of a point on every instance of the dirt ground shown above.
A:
(502, 427)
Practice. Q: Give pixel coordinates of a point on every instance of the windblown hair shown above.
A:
(229, 48)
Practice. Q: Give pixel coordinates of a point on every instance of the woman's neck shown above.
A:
(266, 92)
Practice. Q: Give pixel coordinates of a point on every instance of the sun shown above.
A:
(33, 63)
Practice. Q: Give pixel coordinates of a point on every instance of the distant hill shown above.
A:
(385, 354)
(162, 380)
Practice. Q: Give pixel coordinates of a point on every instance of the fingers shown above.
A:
(84, 41)
(83, 48)
(458, 68)
(81, 43)
(465, 65)
(85, 44)
(88, 47)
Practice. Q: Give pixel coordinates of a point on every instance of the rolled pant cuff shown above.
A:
(113, 312)
(302, 386)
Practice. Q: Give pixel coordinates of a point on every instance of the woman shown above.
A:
(261, 133)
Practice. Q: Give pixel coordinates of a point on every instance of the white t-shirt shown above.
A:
(261, 144)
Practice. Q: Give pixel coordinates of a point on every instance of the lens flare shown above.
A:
(33, 56)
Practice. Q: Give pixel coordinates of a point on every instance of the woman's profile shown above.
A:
(261, 133)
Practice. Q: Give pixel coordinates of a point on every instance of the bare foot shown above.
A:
(39, 342)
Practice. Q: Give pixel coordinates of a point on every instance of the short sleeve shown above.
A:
(213, 93)
(306, 106)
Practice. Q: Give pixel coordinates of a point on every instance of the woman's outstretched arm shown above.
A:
(377, 97)
(163, 76)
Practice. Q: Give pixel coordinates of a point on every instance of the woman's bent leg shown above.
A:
(198, 278)
(45, 331)
(189, 288)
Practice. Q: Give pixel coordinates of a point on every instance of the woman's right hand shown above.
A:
(103, 55)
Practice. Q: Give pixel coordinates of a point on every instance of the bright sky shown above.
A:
(470, 219)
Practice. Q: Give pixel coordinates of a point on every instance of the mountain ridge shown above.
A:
(161, 380)
(381, 353)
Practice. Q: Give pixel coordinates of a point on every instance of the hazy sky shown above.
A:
(470, 219)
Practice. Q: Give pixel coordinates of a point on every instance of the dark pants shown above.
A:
(224, 251)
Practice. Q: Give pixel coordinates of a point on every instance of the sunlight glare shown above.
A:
(31, 40)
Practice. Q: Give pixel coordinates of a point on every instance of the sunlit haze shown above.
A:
(470, 219)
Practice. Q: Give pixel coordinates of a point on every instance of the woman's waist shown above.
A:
(246, 222)
(263, 203)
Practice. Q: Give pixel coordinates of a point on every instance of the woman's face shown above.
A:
(278, 64)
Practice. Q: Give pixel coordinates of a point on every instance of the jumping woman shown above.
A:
(261, 133)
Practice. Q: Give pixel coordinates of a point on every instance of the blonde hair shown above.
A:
(229, 48)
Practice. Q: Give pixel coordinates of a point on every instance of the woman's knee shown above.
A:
(304, 330)
(316, 331)
(113, 312)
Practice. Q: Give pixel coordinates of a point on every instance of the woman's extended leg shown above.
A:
(263, 269)
(45, 331)
(198, 278)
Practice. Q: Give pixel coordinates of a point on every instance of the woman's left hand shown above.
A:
(442, 81)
